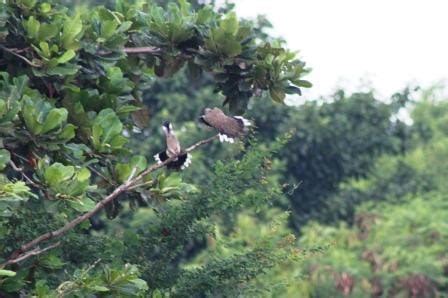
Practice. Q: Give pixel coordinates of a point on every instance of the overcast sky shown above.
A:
(350, 43)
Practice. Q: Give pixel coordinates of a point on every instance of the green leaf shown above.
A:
(230, 47)
(205, 14)
(106, 132)
(83, 174)
(82, 205)
(303, 83)
(5, 156)
(63, 70)
(47, 31)
(68, 132)
(67, 56)
(71, 32)
(157, 294)
(124, 27)
(108, 28)
(128, 109)
(230, 24)
(118, 141)
(100, 289)
(293, 90)
(45, 7)
(32, 27)
(124, 170)
(139, 162)
(4, 272)
(29, 115)
(29, 4)
(51, 261)
(45, 49)
(55, 118)
(3, 108)
(57, 173)
(140, 284)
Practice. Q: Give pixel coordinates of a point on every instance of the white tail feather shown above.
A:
(157, 158)
(186, 163)
(245, 121)
(225, 138)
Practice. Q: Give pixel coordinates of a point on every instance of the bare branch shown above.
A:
(128, 185)
(147, 183)
(15, 53)
(15, 167)
(20, 170)
(102, 176)
(142, 50)
(34, 252)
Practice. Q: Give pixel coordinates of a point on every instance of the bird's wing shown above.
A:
(224, 124)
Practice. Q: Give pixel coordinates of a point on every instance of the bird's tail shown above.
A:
(180, 163)
(246, 123)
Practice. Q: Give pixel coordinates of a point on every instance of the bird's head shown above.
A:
(167, 127)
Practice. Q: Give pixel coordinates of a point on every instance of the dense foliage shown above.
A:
(395, 244)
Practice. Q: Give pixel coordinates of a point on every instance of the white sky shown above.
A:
(385, 44)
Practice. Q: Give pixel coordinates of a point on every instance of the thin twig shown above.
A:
(134, 170)
(19, 156)
(15, 167)
(101, 204)
(141, 50)
(102, 176)
(20, 170)
(141, 185)
(21, 57)
(34, 252)
(133, 50)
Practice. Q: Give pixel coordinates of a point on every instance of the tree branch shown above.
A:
(15, 53)
(34, 252)
(20, 170)
(128, 185)
(142, 50)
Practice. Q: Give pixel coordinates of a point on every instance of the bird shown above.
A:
(183, 159)
(228, 127)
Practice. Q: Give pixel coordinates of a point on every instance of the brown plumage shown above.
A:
(173, 148)
(229, 127)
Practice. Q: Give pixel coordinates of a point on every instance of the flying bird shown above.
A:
(173, 148)
(229, 127)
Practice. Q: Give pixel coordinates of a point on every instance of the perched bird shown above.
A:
(229, 127)
(173, 148)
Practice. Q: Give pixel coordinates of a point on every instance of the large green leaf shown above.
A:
(55, 118)
(71, 32)
(230, 24)
(58, 173)
(106, 132)
(124, 170)
(32, 27)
